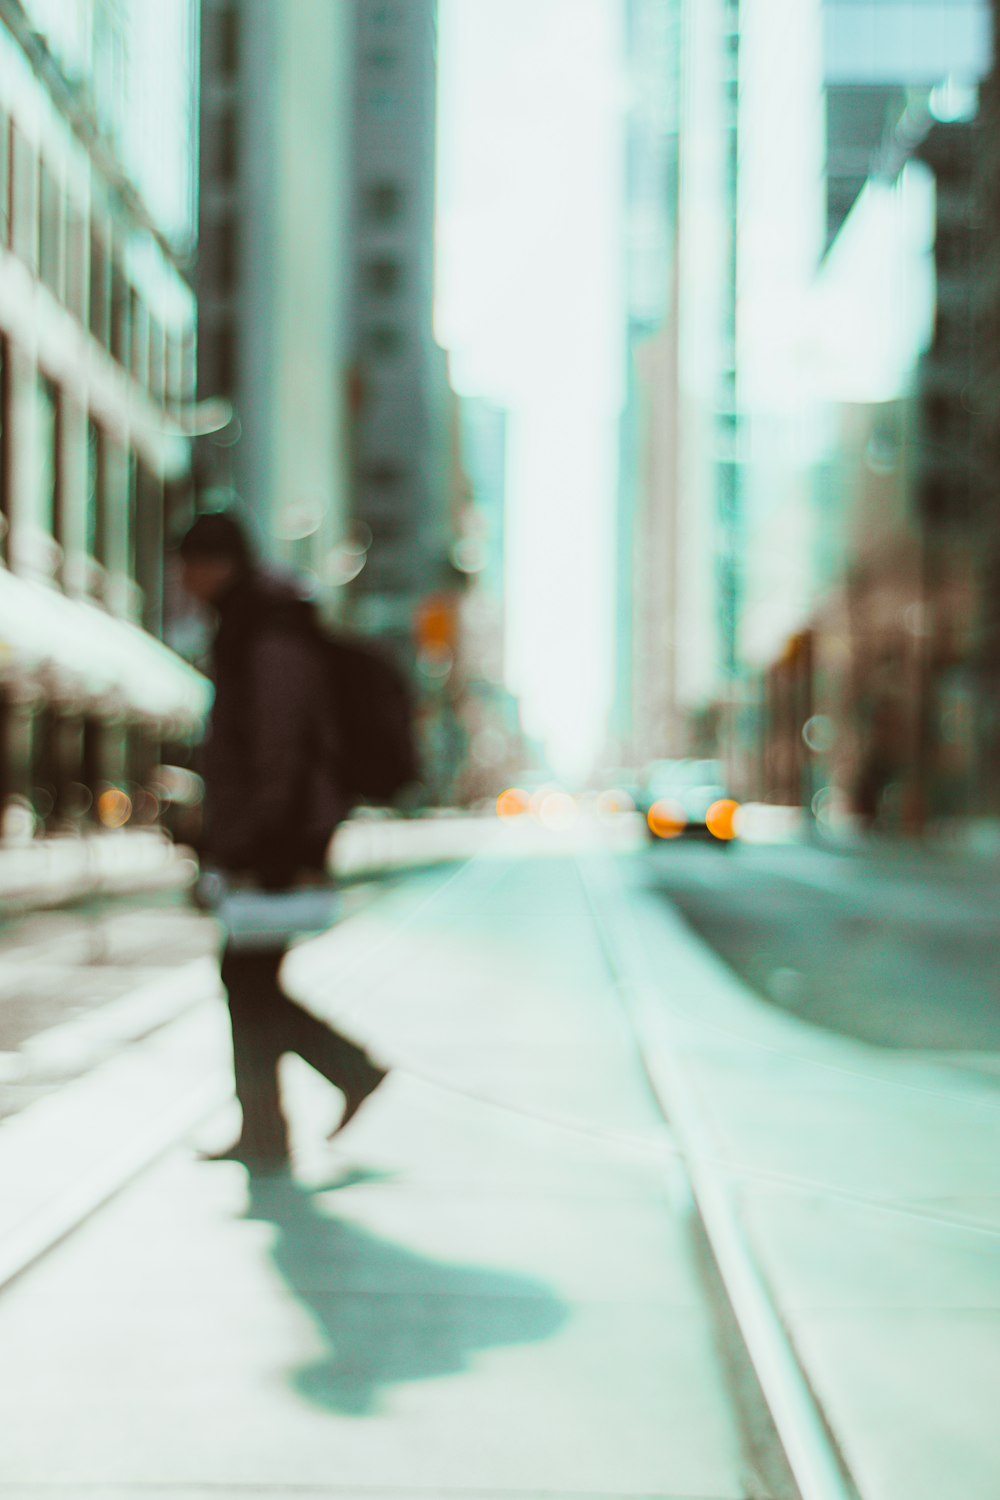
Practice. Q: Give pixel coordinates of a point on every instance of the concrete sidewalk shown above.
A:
(487, 1287)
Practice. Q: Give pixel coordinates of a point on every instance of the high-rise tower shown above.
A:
(276, 136)
(401, 402)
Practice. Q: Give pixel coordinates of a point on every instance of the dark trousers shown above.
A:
(267, 1023)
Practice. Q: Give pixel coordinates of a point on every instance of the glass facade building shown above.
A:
(97, 348)
(808, 420)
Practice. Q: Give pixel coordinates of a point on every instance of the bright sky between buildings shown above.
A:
(529, 306)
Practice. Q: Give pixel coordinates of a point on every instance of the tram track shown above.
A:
(814, 1457)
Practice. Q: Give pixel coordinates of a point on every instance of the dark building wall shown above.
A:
(400, 457)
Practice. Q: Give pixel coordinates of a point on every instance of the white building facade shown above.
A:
(97, 349)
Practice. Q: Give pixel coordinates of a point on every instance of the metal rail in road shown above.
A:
(815, 1460)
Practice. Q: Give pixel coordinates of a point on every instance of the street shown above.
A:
(515, 1273)
(488, 1285)
(892, 946)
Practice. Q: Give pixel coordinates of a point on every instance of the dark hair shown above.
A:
(217, 534)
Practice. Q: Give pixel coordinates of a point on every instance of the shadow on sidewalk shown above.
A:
(387, 1314)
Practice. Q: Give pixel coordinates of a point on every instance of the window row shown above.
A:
(76, 505)
(62, 771)
(76, 255)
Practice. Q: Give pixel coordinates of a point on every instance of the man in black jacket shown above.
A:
(272, 802)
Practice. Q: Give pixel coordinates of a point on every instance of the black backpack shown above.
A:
(373, 712)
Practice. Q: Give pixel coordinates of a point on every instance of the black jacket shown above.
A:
(272, 798)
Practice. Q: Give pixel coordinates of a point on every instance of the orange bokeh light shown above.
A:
(114, 807)
(666, 820)
(720, 820)
(512, 803)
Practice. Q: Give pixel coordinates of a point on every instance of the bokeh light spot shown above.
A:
(819, 733)
(666, 820)
(114, 807)
(615, 802)
(512, 803)
(720, 820)
(558, 811)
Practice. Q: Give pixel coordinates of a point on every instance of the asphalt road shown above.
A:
(894, 947)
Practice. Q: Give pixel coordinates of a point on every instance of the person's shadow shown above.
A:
(387, 1314)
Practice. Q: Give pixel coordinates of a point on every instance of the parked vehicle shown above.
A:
(688, 799)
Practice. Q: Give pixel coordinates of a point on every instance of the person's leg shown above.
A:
(341, 1061)
(256, 1003)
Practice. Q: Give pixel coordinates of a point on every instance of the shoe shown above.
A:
(356, 1095)
(272, 1159)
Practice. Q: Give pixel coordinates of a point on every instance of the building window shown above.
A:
(121, 317)
(156, 358)
(127, 520)
(383, 474)
(149, 547)
(42, 481)
(384, 276)
(217, 254)
(116, 507)
(50, 228)
(188, 365)
(24, 200)
(44, 765)
(384, 102)
(94, 526)
(228, 41)
(227, 144)
(219, 360)
(5, 178)
(386, 340)
(385, 202)
(100, 288)
(176, 357)
(59, 518)
(77, 268)
(139, 318)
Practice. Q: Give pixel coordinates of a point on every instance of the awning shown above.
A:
(85, 660)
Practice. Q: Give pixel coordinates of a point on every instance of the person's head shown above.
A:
(215, 554)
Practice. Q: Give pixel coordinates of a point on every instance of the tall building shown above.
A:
(407, 475)
(853, 626)
(678, 504)
(97, 347)
(275, 213)
(402, 402)
(644, 664)
(807, 473)
(490, 712)
(315, 282)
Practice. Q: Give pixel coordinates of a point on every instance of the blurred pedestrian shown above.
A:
(272, 802)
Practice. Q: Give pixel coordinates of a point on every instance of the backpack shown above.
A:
(374, 715)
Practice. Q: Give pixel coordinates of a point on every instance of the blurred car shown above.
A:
(688, 799)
